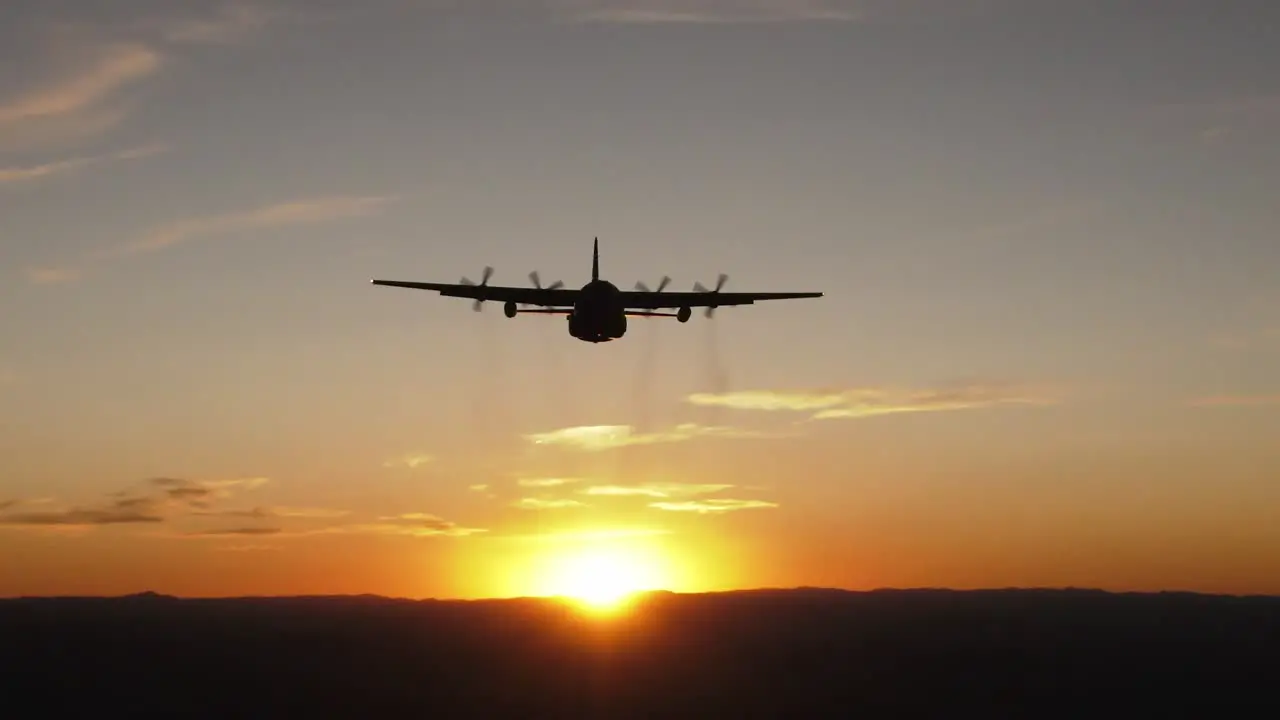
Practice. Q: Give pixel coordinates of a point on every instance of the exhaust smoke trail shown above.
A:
(642, 396)
(491, 416)
(717, 379)
(642, 387)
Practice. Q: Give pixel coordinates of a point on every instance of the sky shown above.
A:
(1046, 355)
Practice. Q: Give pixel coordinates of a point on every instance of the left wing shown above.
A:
(546, 297)
(649, 300)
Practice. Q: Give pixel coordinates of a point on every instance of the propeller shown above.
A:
(662, 284)
(699, 287)
(484, 280)
(537, 283)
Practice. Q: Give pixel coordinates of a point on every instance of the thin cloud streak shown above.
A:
(594, 438)
(704, 11)
(869, 402)
(307, 211)
(33, 173)
(655, 490)
(231, 23)
(546, 482)
(297, 212)
(411, 461)
(90, 96)
(113, 67)
(541, 504)
(167, 498)
(714, 506)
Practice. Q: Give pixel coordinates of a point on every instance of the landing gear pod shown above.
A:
(683, 314)
(509, 309)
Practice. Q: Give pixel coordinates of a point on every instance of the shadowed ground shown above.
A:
(786, 653)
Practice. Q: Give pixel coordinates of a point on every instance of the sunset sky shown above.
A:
(1047, 232)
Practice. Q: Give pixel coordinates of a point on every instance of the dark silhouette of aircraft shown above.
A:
(598, 311)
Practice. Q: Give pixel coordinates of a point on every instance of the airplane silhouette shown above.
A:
(598, 311)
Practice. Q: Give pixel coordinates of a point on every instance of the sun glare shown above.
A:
(603, 578)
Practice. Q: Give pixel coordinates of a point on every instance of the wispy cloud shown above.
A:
(297, 212)
(97, 70)
(714, 506)
(606, 437)
(413, 461)
(45, 171)
(705, 11)
(546, 482)
(868, 402)
(158, 500)
(420, 525)
(584, 536)
(82, 102)
(1238, 401)
(230, 23)
(262, 512)
(52, 275)
(655, 490)
(308, 211)
(543, 504)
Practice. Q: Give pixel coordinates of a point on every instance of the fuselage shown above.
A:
(598, 314)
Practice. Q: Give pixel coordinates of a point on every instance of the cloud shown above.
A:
(479, 488)
(585, 536)
(540, 504)
(606, 437)
(239, 532)
(246, 548)
(408, 524)
(275, 512)
(49, 170)
(230, 23)
(82, 102)
(52, 275)
(1237, 401)
(87, 95)
(162, 499)
(546, 482)
(704, 11)
(868, 402)
(308, 211)
(411, 461)
(417, 524)
(704, 507)
(656, 490)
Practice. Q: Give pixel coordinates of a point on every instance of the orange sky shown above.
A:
(1046, 354)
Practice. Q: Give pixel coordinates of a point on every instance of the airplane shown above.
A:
(598, 311)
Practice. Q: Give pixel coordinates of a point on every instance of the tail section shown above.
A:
(595, 260)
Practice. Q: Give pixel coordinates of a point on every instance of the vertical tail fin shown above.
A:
(595, 260)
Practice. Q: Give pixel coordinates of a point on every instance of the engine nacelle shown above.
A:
(683, 314)
(510, 309)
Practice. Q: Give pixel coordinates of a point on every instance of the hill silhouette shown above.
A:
(769, 653)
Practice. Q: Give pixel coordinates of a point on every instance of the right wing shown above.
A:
(559, 297)
(650, 300)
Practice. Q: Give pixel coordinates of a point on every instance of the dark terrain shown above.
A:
(786, 653)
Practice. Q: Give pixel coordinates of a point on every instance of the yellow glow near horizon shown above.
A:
(603, 577)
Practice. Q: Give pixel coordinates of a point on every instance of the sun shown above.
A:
(603, 578)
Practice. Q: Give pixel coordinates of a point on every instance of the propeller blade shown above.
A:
(484, 280)
(699, 287)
